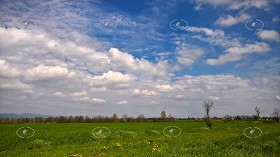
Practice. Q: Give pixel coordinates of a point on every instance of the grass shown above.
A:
(141, 140)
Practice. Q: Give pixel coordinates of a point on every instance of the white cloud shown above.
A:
(276, 19)
(79, 94)
(198, 7)
(83, 99)
(229, 20)
(238, 4)
(8, 71)
(100, 89)
(278, 97)
(164, 88)
(98, 100)
(43, 72)
(144, 92)
(58, 94)
(206, 31)
(258, 47)
(209, 83)
(187, 56)
(122, 102)
(154, 102)
(125, 61)
(237, 53)
(15, 85)
(110, 79)
(214, 97)
(269, 35)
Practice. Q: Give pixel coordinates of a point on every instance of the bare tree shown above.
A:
(208, 105)
(114, 117)
(276, 114)
(163, 115)
(141, 118)
(258, 111)
(124, 117)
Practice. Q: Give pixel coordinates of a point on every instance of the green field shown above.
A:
(141, 140)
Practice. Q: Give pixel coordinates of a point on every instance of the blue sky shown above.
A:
(93, 57)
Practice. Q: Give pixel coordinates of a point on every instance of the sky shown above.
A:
(91, 57)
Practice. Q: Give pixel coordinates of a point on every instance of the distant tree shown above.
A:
(208, 105)
(227, 118)
(114, 117)
(61, 119)
(258, 111)
(141, 118)
(87, 119)
(276, 114)
(124, 118)
(163, 115)
(49, 120)
(39, 120)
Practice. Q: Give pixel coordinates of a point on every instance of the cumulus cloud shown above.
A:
(214, 97)
(98, 100)
(229, 20)
(109, 79)
(164, 88)
(82, 99)
(269, 35)
(15, 85)
(187, 55)
(125, 61)
(122, 102)
(144, 92)
(209, 83)
(79, 94)
(58, 94)
(43, 72)
(237, 53)
(206, 31)
(8, 71)
(238, 4)
(98, 89)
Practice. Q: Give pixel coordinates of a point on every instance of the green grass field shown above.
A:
(141, 140)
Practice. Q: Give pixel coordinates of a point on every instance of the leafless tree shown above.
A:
(276, 114)
(208, 104)
(258, 111)
(163, 114)
(114, 117)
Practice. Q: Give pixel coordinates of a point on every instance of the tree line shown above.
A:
(208, 105)
(85, 119)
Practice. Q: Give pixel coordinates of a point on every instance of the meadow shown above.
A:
(146, 139)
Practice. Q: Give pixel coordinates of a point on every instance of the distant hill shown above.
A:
(23, 115)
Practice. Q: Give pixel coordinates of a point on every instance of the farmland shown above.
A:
(141, 139)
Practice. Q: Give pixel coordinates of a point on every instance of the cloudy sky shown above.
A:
(90, 57)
